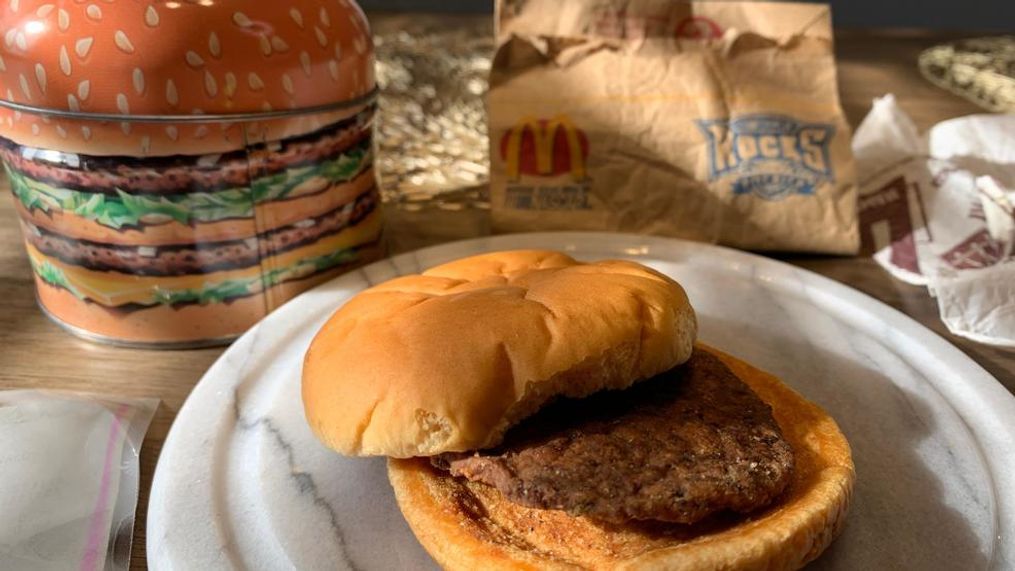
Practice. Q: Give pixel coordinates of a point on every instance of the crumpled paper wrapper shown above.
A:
(937, 210)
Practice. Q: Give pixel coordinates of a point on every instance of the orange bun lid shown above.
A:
(133, 59)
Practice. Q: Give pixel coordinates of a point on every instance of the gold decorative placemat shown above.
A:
(433, 150)
(979, 69)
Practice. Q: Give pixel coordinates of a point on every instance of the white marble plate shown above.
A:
(243, 484)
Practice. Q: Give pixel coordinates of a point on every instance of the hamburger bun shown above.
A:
(224, 58)
(187, 323)
(449, 359)
(465, 525)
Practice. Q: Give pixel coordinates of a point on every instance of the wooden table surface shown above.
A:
(35, 353)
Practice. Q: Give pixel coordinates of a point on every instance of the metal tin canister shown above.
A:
(182, 168)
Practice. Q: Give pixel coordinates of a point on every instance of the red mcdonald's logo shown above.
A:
(698, 28)
(545, 147)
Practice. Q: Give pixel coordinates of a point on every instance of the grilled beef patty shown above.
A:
(179, 174)
(202, 257)
(686, 444)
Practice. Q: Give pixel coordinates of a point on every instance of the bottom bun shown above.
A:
(197, 324)
(466, 525)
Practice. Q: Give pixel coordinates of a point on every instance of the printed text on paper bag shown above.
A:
(769, 156)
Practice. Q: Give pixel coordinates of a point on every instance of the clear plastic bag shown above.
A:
(69, 474)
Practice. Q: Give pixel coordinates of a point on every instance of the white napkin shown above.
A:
(937, 210)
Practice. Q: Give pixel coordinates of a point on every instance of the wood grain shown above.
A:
(36, 354)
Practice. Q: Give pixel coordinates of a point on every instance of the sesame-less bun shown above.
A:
(465, 525)
(447, 360)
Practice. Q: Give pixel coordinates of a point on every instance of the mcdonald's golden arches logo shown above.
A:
(545, 147)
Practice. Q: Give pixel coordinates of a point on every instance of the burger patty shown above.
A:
(180, 174)
(689, 443)
(200, 258)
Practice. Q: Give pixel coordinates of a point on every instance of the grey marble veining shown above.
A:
(243, 484)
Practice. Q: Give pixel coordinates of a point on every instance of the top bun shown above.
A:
(448, 360)
(176, 58)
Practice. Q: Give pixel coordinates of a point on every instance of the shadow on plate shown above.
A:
(901, 517)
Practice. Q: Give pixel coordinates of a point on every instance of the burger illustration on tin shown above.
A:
(182, 168)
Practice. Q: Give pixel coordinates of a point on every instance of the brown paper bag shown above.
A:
(712, 121)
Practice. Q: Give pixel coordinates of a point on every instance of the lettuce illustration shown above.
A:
(210, 293)
(54, 276)
(228, 289)
(344, 167)
(125, 209)
(215, 292)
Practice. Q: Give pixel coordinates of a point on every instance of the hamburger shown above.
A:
(147, 238)
(539, 412)
(192, 230)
